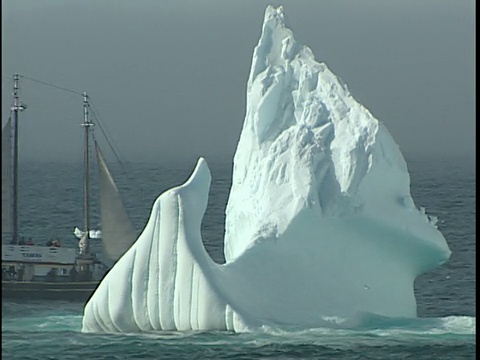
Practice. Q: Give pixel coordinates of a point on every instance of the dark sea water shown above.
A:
(51, 206)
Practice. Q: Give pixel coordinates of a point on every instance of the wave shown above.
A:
(374, 328)
(45, 317)
(29, 335)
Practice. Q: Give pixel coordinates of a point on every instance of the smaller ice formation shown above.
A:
(320, 223)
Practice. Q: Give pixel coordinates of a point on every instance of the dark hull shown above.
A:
(66, 291)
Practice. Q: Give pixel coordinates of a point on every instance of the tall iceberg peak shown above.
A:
(303, 131)
(320, 222)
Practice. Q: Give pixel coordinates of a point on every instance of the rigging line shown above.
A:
(4, 127)
(97, 118)
(9, 117)
(52, 85)
(110, 144)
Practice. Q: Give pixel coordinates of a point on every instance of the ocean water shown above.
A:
(51, 206)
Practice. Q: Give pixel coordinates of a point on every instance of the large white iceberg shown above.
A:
(320, 223)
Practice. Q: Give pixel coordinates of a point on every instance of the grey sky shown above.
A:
(168, 78)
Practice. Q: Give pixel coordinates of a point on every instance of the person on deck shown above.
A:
(51, 275)
(73, 273)
(21, 272)
(12, 272)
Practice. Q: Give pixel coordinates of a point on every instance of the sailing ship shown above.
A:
(52, 271)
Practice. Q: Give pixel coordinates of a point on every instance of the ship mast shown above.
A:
(16, 108)
(86, 181)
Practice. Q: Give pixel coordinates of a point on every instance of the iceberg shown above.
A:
(320, 225)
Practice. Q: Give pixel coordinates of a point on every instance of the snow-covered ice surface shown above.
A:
(321, 229)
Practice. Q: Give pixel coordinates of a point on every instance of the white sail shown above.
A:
(117, 230)
(7, 178)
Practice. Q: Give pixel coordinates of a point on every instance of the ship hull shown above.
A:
(32, 290)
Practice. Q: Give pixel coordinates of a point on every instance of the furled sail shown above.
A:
(117, 229)
(7, 178)
(92, 234)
